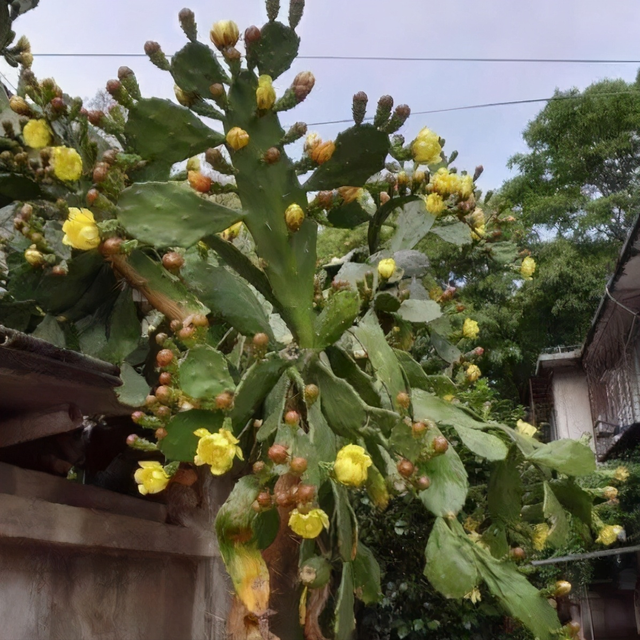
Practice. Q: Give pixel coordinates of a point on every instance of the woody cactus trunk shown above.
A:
(242, 356)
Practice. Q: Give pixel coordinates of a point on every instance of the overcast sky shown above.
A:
(459, 28)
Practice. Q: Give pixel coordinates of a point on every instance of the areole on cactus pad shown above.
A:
(295, 377)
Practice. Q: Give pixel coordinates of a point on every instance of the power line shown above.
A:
(484, 106)
(378, 58)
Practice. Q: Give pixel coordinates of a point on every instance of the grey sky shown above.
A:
(491, 28)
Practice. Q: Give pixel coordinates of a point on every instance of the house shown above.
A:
(81, 561)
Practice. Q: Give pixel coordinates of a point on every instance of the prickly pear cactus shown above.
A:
(243, 356)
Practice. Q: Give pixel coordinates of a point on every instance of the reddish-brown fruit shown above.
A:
(311, 393)
(264, 499)
(306, 492)
(460, 308)
(405, 468)
(58, 270)
(110, 156)
(292, 418)
(186, 333)
(187, 477)
(278, 453)
(403, 400)
(164, 394)
(111, 246)
(200, 182)
(165, 378)
(95, 116)
(260, 340)
(132, 438)
(150, 400)
(100, 172)
(272, 155)
(175, 325)
(200, 320)
(418, 428)
(57, 104)
(282, 499)
(479, 351)
(161, 433)
(258, 467)
(164, 357)
(137, 416)
(92, 196)
(172, 261)
(224, 401)
(113, 86)
(325, 199)
(298, 465)
(217, 91)
(440, 444)
(424, 482)
(163, 412)
(518, 553)
(252, 34)
(161, 338)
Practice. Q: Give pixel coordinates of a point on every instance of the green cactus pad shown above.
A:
(17, 187)
(276, 49)
(166, 214)
(204, 373)
(345, 367)
(195, 68)
(161, 130)
(348, 216)
(180, 442)
(360, 153)
(338, 315)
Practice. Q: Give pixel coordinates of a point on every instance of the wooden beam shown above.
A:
(39, 424)
(43, 486)
(37, 521)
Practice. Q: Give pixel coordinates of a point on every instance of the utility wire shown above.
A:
(376, 58)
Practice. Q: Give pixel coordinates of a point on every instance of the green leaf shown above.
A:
(345, 622)
(413, 224)
(360, 153)
(495, 538)
(504, 252)
(229, 297)
(276, 49)
(386, 302)
(403, 443)
(504, 497)
(195, 68)
(482, 444)
(274, 408)
(254, 386)
(134, 389)
(348, 216)
(265, 527)
(451, 567)
(50, 330)
(456, 233)
(419, 311)
(573, 498)
(447, 351)
(380, 354)
(17, 187)
(557, 518)
(204, 373)
(344, 524)
(441, 411)
(566, 456)
(366, 576)
(344, 367)
(167, 214)
(161, 130)
(341, 310)
(181, 442)
(351, 272)
(124, 329)
(320, 434)
(418, 379)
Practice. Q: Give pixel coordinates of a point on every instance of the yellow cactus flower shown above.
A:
(435, 204)
(474, 595)
(471, 524)
(151, 477)
(322, 151)
(80, 230)
(610, 493)
(351, 465)
(473, 373)
(527, 268)
(465, 189)
(426, 147)
(37, 134)
(224, 33)
(308, 525)
(540, 535)
(311, 142)
(386, 268)
(34, 257)
(609, 534)
(470, 329)
(265, 93)
(67, 163)
(621, 474)
(478, 232)
(218, 450)
(237, 138)
(445, 183)
(232, 232)
(525, 428)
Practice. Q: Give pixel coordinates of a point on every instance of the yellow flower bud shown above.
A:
(218, 450)
(426, 147)
(27, 59)
(386, 268)
(540, 535)
(81, 230)
(265, 93)
(466, 187)
(151, 477)
(526, 429)
(237, 138)
(621, 474)
(473, 373)
(37, 134)
(435, 204)
(609, 534)
(193, 164)
(322, 151)
(67, 163)
(470, 329)
(562, 588)
(478, 232)
(349, 194)
(19, 105)
(308, 525)
(224, 34)
(610, 493)
(351, 465)
(294, 217)
(527, 268)
(34, 257)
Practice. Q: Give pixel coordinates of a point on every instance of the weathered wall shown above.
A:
(571, 405)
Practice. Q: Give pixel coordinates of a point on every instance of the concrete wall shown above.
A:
(572, 410)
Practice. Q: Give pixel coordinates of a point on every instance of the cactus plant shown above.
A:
(252, 333)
